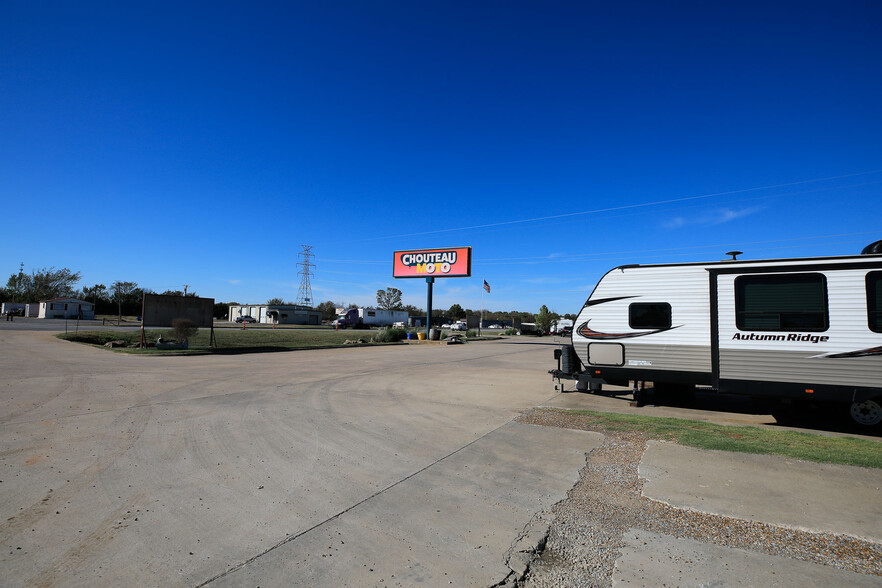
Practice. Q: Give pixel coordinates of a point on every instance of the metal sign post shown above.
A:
(430, 281)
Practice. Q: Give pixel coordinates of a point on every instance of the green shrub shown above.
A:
(471, 333)
(390, 335)
(183, 329)
(511, 331)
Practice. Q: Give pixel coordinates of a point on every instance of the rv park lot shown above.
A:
(388, 466)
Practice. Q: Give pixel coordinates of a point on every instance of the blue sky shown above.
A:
(203, 143)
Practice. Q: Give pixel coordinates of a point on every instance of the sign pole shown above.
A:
(429, 282)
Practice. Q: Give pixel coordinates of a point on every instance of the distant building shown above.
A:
(287, 314)
(13, 307)
(66, 308)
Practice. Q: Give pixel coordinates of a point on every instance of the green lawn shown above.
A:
(228, 340)
(806, 446)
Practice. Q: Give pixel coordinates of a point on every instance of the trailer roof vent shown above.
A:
(872, 248)
(734, 254)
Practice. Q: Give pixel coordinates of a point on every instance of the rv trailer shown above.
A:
(779, 330)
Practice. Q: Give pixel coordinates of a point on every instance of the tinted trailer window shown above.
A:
(649, 315)
(788, 302)
(874, 301)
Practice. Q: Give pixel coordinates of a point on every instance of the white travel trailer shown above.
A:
(791, 329)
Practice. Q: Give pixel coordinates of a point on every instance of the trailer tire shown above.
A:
(866, 414)
(569, 361)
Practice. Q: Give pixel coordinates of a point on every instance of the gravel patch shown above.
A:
(585, 536)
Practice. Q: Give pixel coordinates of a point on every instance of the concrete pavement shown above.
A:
(818, 498)
(650, 560)
(172, 471)
(804, 495)
(380, 466)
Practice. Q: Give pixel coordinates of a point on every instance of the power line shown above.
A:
(624, 206)
(588, 256)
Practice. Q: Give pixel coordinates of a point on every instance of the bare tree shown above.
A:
(121, 291)
(95, 292)
(389, 299)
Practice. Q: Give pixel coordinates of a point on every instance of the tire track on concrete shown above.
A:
(64, 568)
(88, 477)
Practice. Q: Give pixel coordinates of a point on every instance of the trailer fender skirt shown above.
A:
(861, 394)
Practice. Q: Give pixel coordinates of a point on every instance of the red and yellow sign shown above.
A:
(450, 262)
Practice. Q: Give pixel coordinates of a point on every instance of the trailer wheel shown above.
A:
(867, 413)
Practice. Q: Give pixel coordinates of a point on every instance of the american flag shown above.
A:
(487, 286)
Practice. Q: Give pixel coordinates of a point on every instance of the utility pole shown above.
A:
(304, 294)
(18, 281)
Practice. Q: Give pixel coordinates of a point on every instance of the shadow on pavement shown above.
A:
(819, 417)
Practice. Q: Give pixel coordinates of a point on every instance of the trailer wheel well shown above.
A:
(866, 413)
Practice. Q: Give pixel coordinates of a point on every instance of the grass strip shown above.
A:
(228, 340)
(743, 439)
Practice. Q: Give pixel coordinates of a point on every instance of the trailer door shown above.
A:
(767, 323)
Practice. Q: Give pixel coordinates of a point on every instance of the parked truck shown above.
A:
(562, 327)
(783, 331)
(369, 317)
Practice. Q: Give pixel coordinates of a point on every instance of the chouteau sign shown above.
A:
(450, 262)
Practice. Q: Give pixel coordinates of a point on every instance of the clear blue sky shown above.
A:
(203, 143)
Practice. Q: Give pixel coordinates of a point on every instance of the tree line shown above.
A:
(120, 297)
(125, 297)
(390, 299)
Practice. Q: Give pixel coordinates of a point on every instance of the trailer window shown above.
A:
(874, 301)
(783, 302)
(649, 315)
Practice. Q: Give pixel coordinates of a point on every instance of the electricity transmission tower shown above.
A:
(304, 294)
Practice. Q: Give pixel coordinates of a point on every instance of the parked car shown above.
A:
(458, 327)
(565, 332)
(246, 319)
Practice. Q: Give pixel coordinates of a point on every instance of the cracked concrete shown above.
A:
(608, 532)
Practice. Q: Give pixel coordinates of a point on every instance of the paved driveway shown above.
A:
(335, 467)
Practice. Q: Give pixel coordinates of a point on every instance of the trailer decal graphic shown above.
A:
(859, 353)
(602, 300)
(585, 331)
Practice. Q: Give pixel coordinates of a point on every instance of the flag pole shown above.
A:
(481, 323)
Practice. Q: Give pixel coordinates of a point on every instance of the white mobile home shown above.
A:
(806, 328)
(66, 308)
(288, 314)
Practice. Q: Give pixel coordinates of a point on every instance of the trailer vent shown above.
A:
(872, 248)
